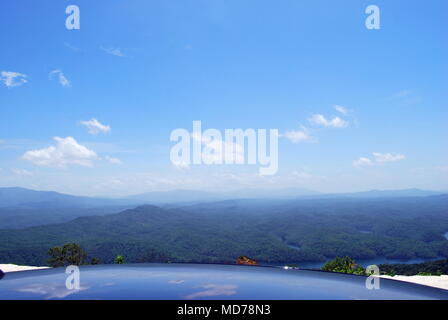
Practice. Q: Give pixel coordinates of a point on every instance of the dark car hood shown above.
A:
(204, 281)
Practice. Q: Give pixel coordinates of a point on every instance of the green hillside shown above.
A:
(297, 231)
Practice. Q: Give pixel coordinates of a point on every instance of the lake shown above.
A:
(363, 262)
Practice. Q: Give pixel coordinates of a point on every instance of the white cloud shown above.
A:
(180, 165)
(336, 122)
(21, 172)
(387, 157)
(341, 109)
(362, 162)
(61, 78)
(66, 152)
(302, 175)
(298, 136)
(118, 52)
(13, 79)
(95, 127)
(378, 158)
(113, 160)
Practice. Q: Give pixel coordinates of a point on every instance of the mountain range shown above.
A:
(26, 198)
(273, 231)
(21, 207)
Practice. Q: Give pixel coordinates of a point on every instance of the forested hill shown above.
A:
(269, 231)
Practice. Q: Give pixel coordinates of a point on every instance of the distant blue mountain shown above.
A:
(26, 198)
(21, 197)
(176, 196)
(387, 193)
(21, 207)
(195, 196)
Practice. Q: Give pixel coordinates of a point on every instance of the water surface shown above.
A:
(363, 262)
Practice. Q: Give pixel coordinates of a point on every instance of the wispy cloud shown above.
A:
(13, 79)
(341, 109)
(180, 165)
(94, 126)
(118, 52)
(297, 136)
(336, 122)
(405, 97)
(66, 152)
(302, 175)
(72, 47)
(378, 158)
(21, 172)
(63, 81)
(362, 162)
(387, 157)
(113, 160)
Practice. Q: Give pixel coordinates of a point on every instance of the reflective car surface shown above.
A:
(198, 281)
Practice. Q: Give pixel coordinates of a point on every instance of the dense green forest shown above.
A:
(426, 268)
(348, 265)
(268, 231)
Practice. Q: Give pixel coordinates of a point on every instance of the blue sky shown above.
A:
(144, 68)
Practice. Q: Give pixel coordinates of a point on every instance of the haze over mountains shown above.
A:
(26, 198)
(195, 226)
(21, 207)
(274, 231)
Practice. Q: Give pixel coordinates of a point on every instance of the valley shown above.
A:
(303, 231)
